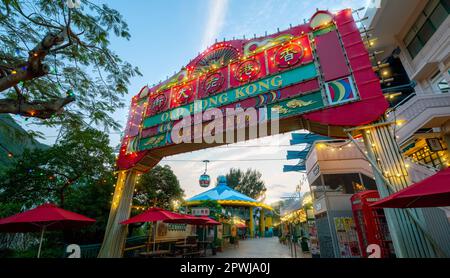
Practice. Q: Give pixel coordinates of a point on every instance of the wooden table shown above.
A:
(157, 253)
(149, 245)
(204, 244)
(185, 245)
(187, 248)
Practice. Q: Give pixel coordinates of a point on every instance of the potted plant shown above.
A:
(218, 244)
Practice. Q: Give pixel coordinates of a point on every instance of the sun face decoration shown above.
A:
(215, 59)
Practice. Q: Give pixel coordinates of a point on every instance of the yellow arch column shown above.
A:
(251, 224)
(262, 223)
(116, 234)
(269, 221)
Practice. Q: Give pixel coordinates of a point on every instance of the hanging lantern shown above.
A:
(205, 179)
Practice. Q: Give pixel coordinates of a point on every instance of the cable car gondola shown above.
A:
(205, 179)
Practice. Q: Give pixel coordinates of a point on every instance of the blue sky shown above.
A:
(166, 34)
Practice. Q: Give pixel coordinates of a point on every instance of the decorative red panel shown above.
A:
(331, 56)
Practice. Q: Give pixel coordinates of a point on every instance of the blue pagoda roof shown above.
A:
(222, 192)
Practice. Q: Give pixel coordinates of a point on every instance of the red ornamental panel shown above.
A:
(247, 70)
(182, 95)
(213, 83)
(158, 102)
(290, 54)
(332, 59)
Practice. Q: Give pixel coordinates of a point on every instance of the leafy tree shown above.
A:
(82, 157)
(52, 55)
(234, 177)
(158, 187)
(13, 141)
(93, 200)
(248, 183)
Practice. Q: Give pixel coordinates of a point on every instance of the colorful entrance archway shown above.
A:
(316, 76)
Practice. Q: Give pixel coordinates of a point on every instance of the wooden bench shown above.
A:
(158, 253)
(192, 254)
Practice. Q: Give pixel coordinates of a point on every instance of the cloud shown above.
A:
(216, 19)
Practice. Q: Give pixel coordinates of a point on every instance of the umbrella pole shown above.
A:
(40, 242)
(154, 236)
(150, 235)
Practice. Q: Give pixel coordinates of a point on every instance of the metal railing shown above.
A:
(92, 250)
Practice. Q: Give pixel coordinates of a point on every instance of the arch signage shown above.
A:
(318, 73)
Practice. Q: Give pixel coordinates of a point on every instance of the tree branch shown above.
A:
(37, 109)
(34, 67)
(44, 24)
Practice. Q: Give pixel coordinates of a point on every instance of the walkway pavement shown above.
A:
(259, 248)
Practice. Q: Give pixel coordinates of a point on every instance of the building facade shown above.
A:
(336, 169)
(418, 35)
(410, 47)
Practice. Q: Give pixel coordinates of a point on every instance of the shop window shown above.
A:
(344, 183)
(426, 31)
(438, 16)
(414, 47)
(369, 183)
(431, 18)
(425, 156)
(446, 4)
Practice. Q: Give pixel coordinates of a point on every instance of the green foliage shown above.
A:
(248, 183)
(76, 173)
(159, 187)
(93, 200)
(81, 158)
(8, 209)
(82, 63)
(218, 242)
(234, 177)
(215, 209)
(15, 139)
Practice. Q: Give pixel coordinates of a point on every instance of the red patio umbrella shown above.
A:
(212, 222)
(153, 215)
(192, 220)
(42, 218)
(433, 191)
(209, 222)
